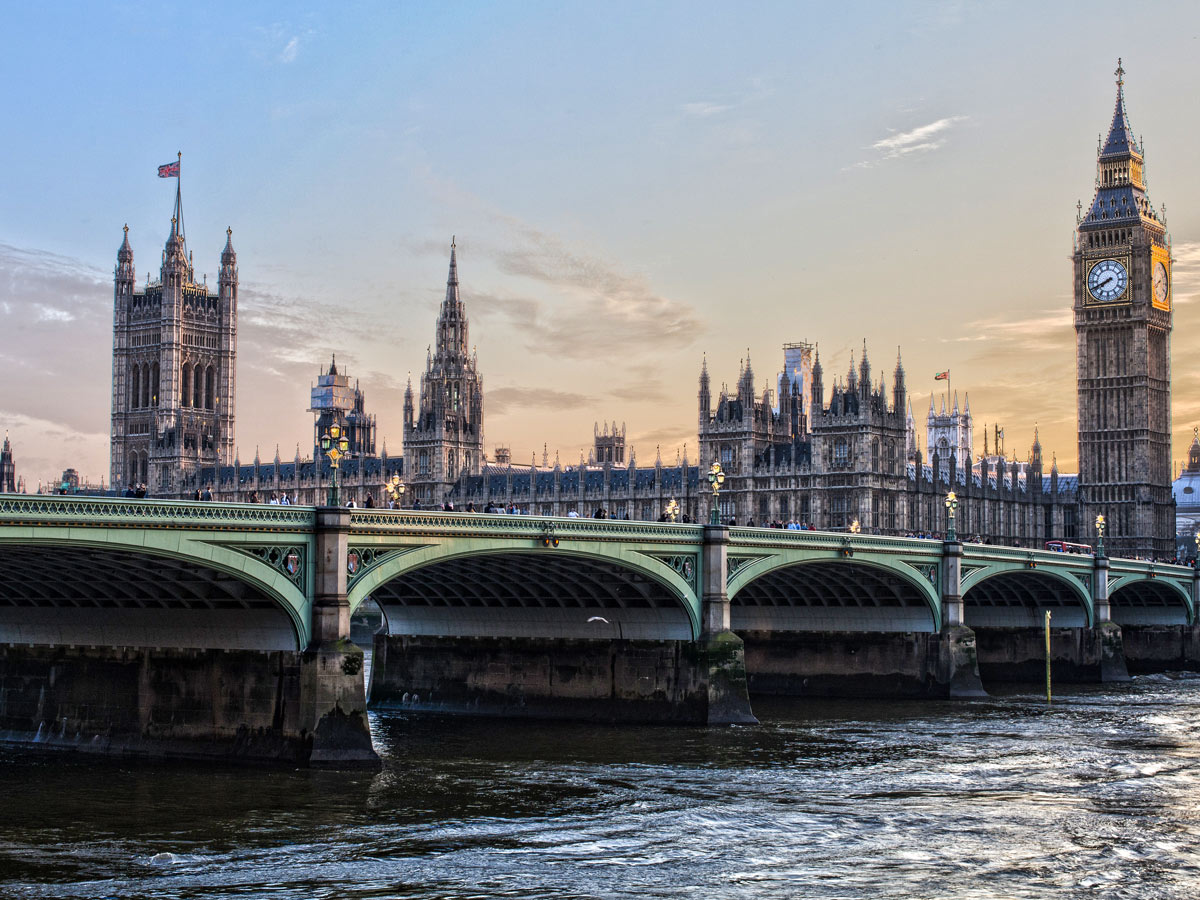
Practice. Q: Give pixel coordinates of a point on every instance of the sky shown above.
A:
(631, 185)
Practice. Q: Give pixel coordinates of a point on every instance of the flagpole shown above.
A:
(179, 191)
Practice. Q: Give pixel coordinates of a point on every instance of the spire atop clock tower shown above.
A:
(1123, 325)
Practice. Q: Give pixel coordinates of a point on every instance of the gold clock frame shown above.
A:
(1161, 255)
(1126, 296)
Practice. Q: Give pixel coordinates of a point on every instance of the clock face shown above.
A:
(1107, 280)
(1160, 283)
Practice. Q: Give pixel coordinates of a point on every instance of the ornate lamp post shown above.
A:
(951, 506)
(1100, 535)
(396, 488)
(1196, 538)
(672, 509)
(335, 445)
(855, 528)
(716, 477)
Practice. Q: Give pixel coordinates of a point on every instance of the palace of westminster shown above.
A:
(844, 457)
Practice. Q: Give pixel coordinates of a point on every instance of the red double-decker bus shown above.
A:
(1068, 547)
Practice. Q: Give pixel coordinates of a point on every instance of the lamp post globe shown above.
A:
(335, 445)
(716, 478)
(951, 505)
(671, 509)
(396, 488)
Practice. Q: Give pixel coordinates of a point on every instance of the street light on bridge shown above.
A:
(716, 477)
(335, 445)
(396, 488)
(1099, 535)
(855, 528)
(672, 509)
(951, 506)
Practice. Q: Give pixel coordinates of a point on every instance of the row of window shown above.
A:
(198, 386)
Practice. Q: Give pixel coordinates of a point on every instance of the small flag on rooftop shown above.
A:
(942, 376)
(169, 170)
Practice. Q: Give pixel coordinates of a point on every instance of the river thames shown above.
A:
(1096, 796)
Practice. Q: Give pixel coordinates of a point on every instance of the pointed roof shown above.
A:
(332, 364)
(1120, 135)
(228, 255)
(1121, 196)
(452, 276)
(125, 253)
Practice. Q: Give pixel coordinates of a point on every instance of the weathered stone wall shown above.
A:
(862, 664)
(1162, 648)
(599, 680)
(190, 704)
(1077, 655)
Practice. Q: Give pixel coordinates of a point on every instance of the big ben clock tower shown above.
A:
(1123, 293)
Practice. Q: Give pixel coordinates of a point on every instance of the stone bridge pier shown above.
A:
(555, 619)
(160, 629)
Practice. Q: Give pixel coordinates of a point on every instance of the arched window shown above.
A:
(135, 387)
(451, 464)
(133, 468)
(210, 388)
(145, 384)
(198, 387)
(145, 467)
(185, 385)
(154, 384)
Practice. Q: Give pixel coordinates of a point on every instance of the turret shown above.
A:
(746, 386)
(452, 322)
(125, 273)
(899, 391)
(864, 374)
(705, 395)
(818, 385)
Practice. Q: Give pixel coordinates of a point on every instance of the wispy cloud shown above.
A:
(922, 139)
(705, 109)
(1185, 270)
(502, 400)
(599, 310)
(290, 49)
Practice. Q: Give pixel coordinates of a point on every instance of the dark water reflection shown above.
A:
(1097, 797)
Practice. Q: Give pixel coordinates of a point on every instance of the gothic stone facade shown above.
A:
(1123, 290)
(174, 354)
(443, 436)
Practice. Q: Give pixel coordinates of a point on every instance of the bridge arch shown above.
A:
(1150, 601)
(1018, 598)
(831, 594)
(457, 588)
(142, 588)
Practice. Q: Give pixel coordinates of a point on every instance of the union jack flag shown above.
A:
(942, 376)
(170, 170)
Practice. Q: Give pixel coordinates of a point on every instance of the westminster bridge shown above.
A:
(170, 628)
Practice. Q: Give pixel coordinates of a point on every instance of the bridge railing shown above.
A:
(1119, 566)
(53, 509)
(830, 540)
(430, 522)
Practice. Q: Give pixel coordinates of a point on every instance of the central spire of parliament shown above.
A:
(443, 437)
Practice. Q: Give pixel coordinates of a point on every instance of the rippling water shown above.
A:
(1098, 796)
